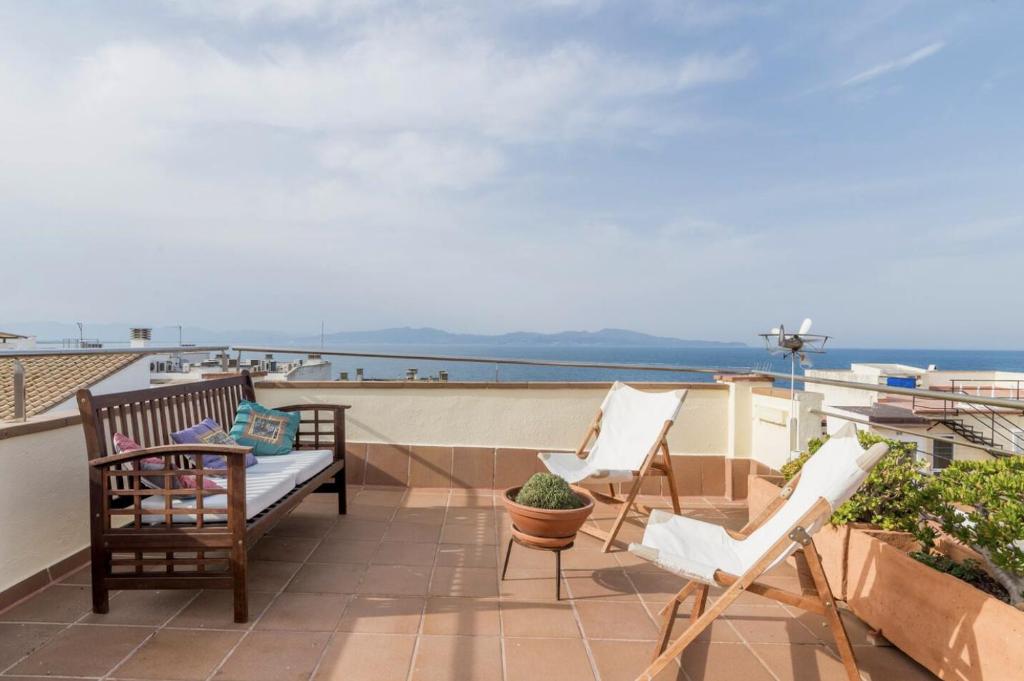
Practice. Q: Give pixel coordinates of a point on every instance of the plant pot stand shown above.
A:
(555, 544)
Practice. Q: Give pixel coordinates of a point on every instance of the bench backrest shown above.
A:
(150, 415)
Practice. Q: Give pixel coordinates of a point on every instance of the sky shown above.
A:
(700, 169)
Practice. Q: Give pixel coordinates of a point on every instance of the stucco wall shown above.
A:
(532, 417)
(44, 501)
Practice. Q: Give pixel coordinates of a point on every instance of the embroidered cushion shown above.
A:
(208, 432)
(267, 431)
(124, 444)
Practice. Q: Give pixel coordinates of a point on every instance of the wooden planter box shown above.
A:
(948, 626)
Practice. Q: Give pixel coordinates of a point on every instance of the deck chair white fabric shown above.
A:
(631, 429)
(709, 554)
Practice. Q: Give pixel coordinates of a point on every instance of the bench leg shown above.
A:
(100, 597)
(239, 586)
(339, 481)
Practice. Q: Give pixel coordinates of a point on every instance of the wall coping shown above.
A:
(39, 424)
(482, 385)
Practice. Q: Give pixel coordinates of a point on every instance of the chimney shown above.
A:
(140, 337)
(410, 374)
(442, 376)
(359, 374)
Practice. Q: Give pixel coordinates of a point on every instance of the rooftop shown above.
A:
(406, 588)
(53, 378)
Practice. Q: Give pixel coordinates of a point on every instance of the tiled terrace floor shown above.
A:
(406, 588)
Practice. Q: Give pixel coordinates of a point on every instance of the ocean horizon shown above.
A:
(737, 358)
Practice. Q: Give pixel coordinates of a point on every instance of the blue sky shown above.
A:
(697, 169)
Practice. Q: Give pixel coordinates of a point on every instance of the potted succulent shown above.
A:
(546, 511)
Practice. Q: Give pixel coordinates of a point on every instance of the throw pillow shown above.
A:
(124, 444)
(269, 432)
(208, 432)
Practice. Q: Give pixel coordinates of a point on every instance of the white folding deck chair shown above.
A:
(632, 429)
(710, 555)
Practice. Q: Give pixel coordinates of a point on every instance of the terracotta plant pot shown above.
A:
(548, 523)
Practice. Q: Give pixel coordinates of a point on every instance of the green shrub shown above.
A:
(890, 498)
(544, 490)
(981, 504)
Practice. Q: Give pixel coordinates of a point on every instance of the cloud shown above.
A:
(894, 65)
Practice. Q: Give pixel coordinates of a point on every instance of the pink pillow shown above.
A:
(124, 444)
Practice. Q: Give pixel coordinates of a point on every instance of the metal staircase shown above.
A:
(1000, 435)
(970, 433)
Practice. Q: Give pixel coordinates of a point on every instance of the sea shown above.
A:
(724, 357)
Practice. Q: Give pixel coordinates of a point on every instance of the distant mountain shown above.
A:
(117, 334)
(428, 336)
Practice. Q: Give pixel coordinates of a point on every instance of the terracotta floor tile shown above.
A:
(18, 640)
(466, 515)
(344, 551)
(624, 660)
(427, 499)
(150, 608)
(616, 620)
(656, 587)
(461, 616)
(270, 576)
(395, 580)
(404, 553)
(178, 655)
(327, 578)
(719, 631)
(544, 619)
(310, 527)
(457, 658)
(466, 582)
(274, 656)
(381, 497)
(530, 584)
(422, 516)
(367, 657)
(56, 603)
(214, 609)
(887, 664)
(768, 624)
(83, 650)
(412, 532)
(525, 656)
(356, 529)
(291, 549)
(80, 577)
(528, 559)
(466, 533)
(601, 585)
(724, 662)
(795, 663)
(472, 498)
(304, 612)
(466, 555)
(370, 512)
(382, 615)
(587, 554)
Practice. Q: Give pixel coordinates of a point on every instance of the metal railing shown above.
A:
(471, 359)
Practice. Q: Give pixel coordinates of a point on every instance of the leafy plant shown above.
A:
(890, 498)
(981, 504)
(544, 490)
(968, 571)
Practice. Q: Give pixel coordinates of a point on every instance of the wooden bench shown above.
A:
(191, 539)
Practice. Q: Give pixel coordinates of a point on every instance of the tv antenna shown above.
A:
(797, 346)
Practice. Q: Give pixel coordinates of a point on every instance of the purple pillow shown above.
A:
(209, 432)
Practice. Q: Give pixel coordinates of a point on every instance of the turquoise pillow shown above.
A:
(267, 431)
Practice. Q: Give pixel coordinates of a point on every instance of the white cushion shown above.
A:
(303, 463)
(261, 491)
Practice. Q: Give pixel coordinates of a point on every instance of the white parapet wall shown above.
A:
(44, 499)
(529, 416)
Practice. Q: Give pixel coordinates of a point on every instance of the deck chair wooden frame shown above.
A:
(651, 465)
(820, 601)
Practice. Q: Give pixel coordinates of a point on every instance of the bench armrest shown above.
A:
(163, 450)
(314, 407)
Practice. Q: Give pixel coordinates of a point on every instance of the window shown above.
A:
(942, 453)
